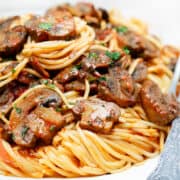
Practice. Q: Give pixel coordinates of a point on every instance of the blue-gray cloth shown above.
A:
(169, 164)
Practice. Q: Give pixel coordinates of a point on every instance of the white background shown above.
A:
(163, 17)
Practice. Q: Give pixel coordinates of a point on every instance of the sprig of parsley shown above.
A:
(45, 81)
(45, 25)
(113, 55)
(121, 29)
(52, 86)
(48, 84)
(24, 131)
(17, 109)
(13, 71)
(77, 66)
(58, 109)
(93, 55)
(52, 128)
(126, 50)
(102, 78)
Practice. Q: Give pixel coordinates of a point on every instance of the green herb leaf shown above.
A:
(72, 103)
(24, 131)
(52, 128)
(58, 109)
(121, 29)
(33, 85)
(102, 78)
(13, 70)
(113, 55)
(45, 81)
(126, 50)
(45, 26)
(18, 110)
(103, 44)
(92, 79)
(52, 86)
(93, 55)
(13, 137)
(77, 66)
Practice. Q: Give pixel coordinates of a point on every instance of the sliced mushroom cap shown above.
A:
(68, 74)
(12, 40)
(97, 115)
(9, 23)
(6, 99)
(8, 94)
(26, 78)
(119, 87)
(96, 59)
(36, 115)
(59, 25)
(140, 72)
(139, 46)
(160, 108)
(84, 10)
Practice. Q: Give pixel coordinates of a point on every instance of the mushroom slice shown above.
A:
(35, 117)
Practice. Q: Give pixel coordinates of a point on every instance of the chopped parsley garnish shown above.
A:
(45, 81)
(52, 86)
(77, 66)
(92, 79)
(126, 50)
(45, 26)
(121, 29)
(52, 128)
(93, 55)
(13, 70)
(32, 85)
(102, 78)
(18, 110)
(58, 109)
(13, 137)
(103, 44)
(72, 103)
(24, 131)
(113, 55)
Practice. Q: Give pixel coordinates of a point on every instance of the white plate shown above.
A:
(161, 15)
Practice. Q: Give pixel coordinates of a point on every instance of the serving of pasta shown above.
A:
(83, 93)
